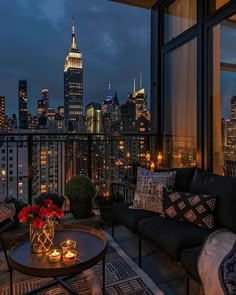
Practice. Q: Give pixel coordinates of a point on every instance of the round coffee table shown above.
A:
(91, 245)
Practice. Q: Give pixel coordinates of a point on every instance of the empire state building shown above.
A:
(73, 85)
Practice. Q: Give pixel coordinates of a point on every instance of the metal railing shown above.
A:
(35, 163)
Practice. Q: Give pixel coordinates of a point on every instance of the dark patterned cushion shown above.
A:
(151, 201)
(149, 189)
(194, 208)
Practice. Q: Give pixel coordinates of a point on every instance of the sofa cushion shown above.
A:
(224, 187)
(190, 207)
(151, 200)
(149, 189)
(188, 259)
(130, 217)
(147, 178)
(170, 235)
(183, 177)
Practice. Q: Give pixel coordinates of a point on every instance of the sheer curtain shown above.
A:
(217, 130)
(180, 105)
(179, 16)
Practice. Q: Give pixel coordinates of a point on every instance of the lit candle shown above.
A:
(68, 245)
(159, 158)
(54, 255)
(152, 166)
(69, 257)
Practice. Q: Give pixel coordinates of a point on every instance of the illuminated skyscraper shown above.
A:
(94, 117)
(2, 112)
(233, 108)
(23, 111)
(73, 84)
(45, 100)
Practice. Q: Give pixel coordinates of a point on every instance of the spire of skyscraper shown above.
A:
(73, 41)
(141, 80)
(109, 94)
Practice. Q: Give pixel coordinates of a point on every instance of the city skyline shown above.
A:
(34, 49)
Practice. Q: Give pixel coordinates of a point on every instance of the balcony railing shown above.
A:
(35, 163)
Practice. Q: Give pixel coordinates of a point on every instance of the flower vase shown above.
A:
(41, 238)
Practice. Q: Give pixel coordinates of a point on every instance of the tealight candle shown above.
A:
(68, 245)
(152, 166)
(69, 257)
(54, 255)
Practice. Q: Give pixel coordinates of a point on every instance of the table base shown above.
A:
(57, 280)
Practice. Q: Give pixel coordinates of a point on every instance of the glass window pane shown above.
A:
(179, 16)
(216, 4)
(180, 106)
(224, 96)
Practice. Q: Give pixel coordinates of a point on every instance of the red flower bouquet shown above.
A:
(41, 220)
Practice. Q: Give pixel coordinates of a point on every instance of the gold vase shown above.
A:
(42, 238)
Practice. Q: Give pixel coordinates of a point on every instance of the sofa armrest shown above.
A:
(123, 192)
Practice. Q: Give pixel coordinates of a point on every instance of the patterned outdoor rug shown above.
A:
(123, 277)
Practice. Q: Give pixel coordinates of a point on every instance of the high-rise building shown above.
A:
(2, 112)
(233, 108)
(94, 118)
(23, 111)
(140, 99)
(45, 100)
(73, 85)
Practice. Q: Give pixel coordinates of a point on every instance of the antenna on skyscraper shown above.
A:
(134, 86)
(73, 25)
(141, 80)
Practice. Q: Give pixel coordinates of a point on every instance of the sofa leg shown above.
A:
(140, 252)
(186, 284)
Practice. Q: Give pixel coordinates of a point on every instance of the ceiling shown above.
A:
(150, 3)
(140, 3)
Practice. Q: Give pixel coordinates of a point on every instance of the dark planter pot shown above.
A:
(80, 209)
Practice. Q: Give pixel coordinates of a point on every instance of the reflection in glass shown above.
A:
(180, 106)
(224, 94)
(216, 4)
(179, 16)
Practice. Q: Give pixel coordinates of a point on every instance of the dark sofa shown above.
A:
(182, 241)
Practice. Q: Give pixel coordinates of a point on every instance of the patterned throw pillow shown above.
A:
(194, 208)
(150, 187)
(148, 201)
(6, 211)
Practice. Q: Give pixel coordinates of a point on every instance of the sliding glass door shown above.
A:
(223, 81)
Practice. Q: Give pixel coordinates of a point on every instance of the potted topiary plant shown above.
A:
(80, 191)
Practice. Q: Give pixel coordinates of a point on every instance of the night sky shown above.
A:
(35, 38)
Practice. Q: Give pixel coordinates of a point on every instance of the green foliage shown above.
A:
(81, 188)
(19, 204)
(58, 200)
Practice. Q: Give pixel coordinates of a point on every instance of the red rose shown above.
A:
(59, 213)
(38, 222)
(54, 207)
(23, 215)
(35, 209)
(48, 202)
(46, 212)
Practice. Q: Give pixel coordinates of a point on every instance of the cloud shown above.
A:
(35, 37)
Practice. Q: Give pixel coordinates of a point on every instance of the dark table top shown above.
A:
(91, 248)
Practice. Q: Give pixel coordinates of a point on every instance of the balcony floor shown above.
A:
(168, 276)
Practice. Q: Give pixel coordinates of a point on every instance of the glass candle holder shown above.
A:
(55, 255)
(68, 245)
(69, 257)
